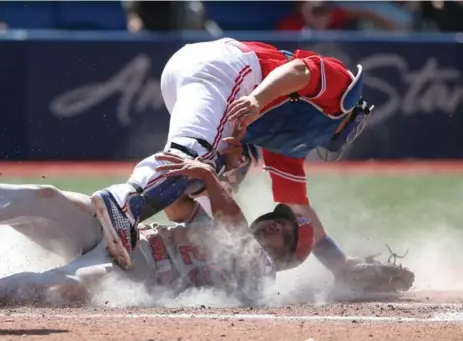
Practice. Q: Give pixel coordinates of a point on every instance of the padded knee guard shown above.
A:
(150, 201)
(147, 203)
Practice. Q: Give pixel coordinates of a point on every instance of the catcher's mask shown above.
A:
(302, 239)
(356, 112)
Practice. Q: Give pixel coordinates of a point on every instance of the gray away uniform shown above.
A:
(175, 256)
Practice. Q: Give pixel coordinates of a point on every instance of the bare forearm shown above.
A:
(180, 210)
(223, 206)
(284, 80)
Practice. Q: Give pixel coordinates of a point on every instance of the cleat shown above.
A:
(117, 228)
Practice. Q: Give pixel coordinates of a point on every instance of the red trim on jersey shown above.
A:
(238, 81)
(329, 81)
(289, 184)
(329, 78)
(287, 176)
(231, 98)
(317, 85)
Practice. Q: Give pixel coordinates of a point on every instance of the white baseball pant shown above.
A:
(61, 222)
(198, 84)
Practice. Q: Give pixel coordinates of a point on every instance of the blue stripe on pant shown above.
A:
(161, 196)
(165, 194)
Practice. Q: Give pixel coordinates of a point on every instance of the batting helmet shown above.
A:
(303, 231)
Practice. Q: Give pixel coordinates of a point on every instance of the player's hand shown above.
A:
(244, 111)
(346, 266)
(193, 169)
(234, 151)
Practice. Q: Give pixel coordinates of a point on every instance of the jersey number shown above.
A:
(187, 251)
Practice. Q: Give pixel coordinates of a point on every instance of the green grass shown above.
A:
(397, 205)
(348, 205)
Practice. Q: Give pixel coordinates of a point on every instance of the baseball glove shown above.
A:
(369, 276)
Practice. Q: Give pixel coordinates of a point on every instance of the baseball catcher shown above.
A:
(288, 103)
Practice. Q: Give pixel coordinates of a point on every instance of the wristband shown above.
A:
(328, 253)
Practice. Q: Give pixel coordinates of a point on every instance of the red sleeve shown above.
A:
(289, 184)
(329, 79)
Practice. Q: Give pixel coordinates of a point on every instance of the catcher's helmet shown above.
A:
(303, 231)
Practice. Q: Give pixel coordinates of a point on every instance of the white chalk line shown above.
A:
(437, 318)
(444, 316)
(406, 305)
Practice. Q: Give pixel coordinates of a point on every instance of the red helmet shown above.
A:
(304, 233)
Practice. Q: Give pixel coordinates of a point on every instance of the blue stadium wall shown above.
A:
(96, 96)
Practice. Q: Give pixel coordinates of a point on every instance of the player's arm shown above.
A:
(224, 207)
(323, 80)
(328, 83)
(289, 187)
(284, 80)
(239, 158)
(253, 266)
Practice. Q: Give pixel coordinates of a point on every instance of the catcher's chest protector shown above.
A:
(296, 126)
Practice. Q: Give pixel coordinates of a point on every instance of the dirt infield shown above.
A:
(414, 318)
(419, 316)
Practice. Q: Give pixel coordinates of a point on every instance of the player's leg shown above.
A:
(197, 89)
(58, 221)
(69, 284)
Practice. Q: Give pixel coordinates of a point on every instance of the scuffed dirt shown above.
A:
(50, 328)
(140, 324)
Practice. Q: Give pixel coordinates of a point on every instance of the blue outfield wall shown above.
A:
(96, 96)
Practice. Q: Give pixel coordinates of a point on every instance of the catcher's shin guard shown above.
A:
(121, 232)
(149, 201)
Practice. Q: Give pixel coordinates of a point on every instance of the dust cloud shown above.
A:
(434, 245)
(20, 254)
